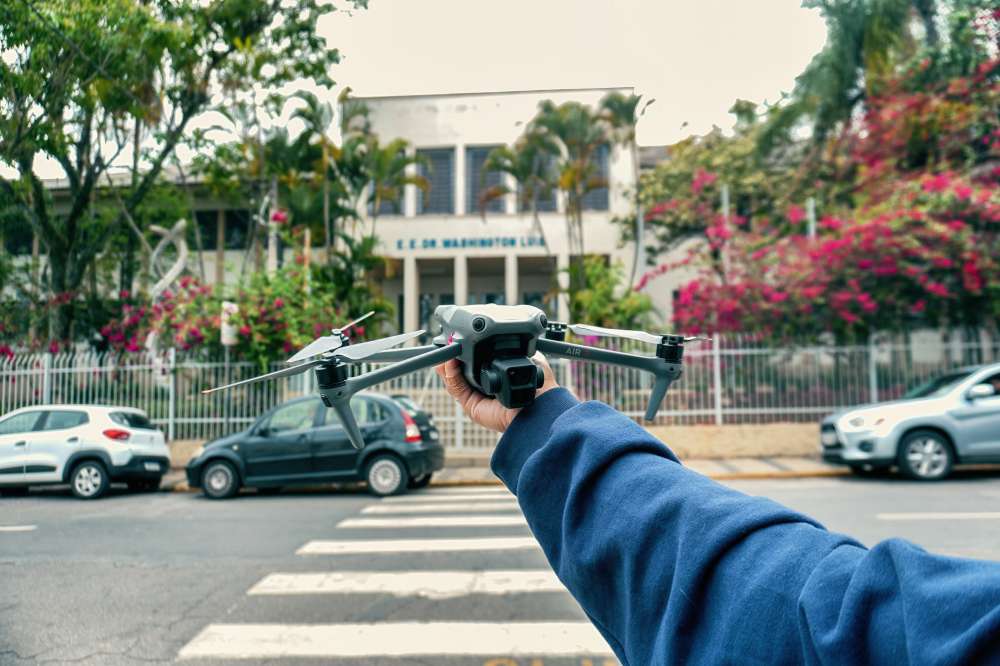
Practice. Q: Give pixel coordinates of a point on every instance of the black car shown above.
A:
(303, 442)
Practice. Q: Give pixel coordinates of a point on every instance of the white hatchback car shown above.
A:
(86, 446)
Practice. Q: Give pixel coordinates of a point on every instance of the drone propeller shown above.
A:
(641, 336)
(358, 352)
(327, 343)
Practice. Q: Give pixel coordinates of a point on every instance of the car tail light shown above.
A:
(412, 433)
(117, 435)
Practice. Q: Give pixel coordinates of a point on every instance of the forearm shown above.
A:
(675, 568)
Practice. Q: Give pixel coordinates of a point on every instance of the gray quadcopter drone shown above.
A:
(494, 343)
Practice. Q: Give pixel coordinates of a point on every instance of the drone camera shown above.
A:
(512, 380)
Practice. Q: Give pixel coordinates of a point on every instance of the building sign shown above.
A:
(457, 243)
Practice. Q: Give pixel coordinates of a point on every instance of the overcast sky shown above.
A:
(694, 57)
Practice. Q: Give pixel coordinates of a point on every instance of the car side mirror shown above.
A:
(263, 431)
(981, 391)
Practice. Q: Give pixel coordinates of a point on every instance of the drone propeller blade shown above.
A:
(356, 321)
(361, 351)
(277, 374)
(327, 343)
(641, 336)
(316, 347)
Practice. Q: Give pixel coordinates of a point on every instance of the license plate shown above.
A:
(828, 438)
(152, 467)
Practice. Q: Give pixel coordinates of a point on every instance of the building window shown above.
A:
(545, 201)
(237, 229)
(440, 197)
(598, 199)
(207, 225)
(478, 181)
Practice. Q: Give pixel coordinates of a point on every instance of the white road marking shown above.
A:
(323, 547)
(426, 584)
(478, 497)
(18, 528)
(932, 515)
(442, 507)
(396, 639)
(433, 521)
(462, 490)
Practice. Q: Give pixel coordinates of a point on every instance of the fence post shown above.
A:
(872, 370)
(172, 395)
(717, 377)
(459, 425)
(47, 378)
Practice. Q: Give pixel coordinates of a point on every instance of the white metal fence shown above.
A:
(734, 380)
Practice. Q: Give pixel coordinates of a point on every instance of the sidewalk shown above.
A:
(473, 470)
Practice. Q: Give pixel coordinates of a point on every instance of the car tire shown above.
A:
(219, 480)
(89, 480)
(420, 481)
(145, 486)
(386, 475)
(925, 455)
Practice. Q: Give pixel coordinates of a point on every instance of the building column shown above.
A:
(510, 280)
(411, 192)
(461, 276)
(411, 294)
(562, 275)
(220, 247)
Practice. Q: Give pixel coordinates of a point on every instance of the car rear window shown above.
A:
(62, 419)
(132, 420)
(407, 403)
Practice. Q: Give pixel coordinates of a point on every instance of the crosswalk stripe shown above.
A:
(433, 521)
(426, 584)
(441, 507)
(326, 547)
(397, 639)
(478, 497)
(18, 528)
(464, 490)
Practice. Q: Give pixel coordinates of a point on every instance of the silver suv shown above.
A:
(84, 445)
(953, 418)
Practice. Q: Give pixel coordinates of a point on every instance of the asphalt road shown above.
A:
(137, 579)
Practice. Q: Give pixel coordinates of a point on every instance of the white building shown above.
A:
(442, 249)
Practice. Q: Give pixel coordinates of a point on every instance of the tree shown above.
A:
(83, 82)
(621, 113)
(386, 167)
(606, 299)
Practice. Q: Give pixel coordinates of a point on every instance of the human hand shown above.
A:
(486, 411)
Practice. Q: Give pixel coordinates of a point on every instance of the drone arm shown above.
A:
(339, 397)
(664, 371)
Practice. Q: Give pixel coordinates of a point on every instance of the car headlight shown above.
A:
(857, 422)
(861, 421)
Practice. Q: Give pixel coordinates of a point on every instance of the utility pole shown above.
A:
(272, 229)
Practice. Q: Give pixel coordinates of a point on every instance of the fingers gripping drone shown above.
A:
(494, 344)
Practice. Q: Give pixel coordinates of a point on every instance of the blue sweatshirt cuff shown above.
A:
(527, 433)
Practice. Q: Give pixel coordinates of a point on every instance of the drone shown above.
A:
(494, 344)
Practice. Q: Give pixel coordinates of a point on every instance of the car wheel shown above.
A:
(219, 480)
(386, 475)
(420, 481)
(925, 455)
(89, 480)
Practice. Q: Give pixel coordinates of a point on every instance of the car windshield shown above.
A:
(937, 386)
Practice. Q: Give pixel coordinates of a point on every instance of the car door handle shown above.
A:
(21, 443)
(72, 440)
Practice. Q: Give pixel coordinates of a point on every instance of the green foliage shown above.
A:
(604, 298)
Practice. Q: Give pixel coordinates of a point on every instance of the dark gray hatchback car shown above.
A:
(302, 442)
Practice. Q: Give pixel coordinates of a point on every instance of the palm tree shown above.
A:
(622, 113)
(318, 116)
(576, 134)
(386, 170)
(529, 163)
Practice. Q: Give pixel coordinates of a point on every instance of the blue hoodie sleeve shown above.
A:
(674, 568)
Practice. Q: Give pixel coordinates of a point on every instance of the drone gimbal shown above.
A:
(494, 344)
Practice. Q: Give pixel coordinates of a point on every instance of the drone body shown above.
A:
(494, 344)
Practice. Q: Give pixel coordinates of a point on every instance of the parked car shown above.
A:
(953, 418)
(303, 442)
(86, 446)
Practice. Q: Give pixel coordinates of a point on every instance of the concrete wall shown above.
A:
(740, 441)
